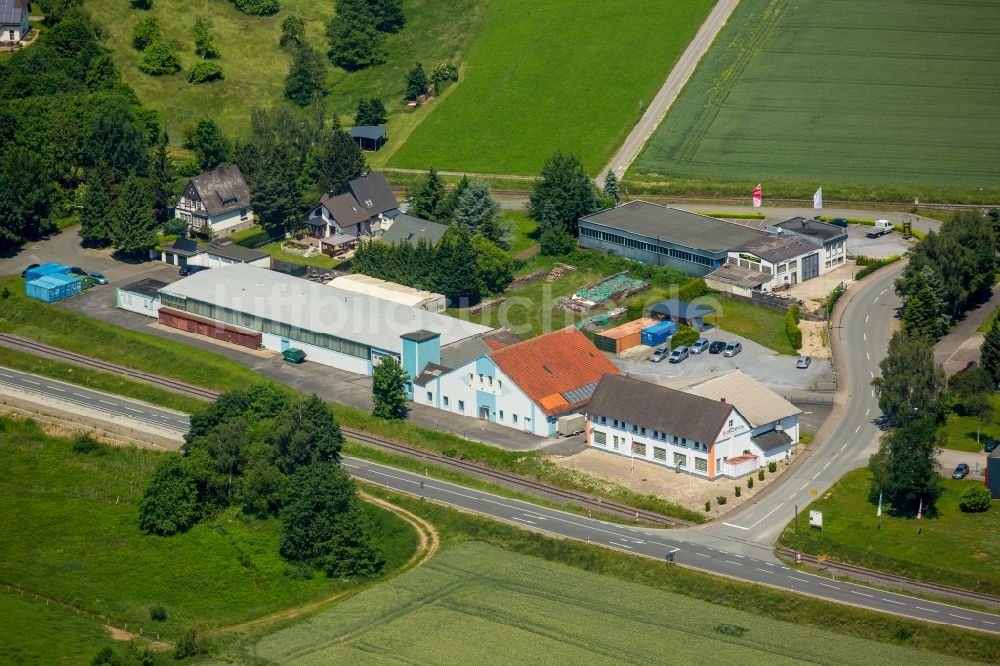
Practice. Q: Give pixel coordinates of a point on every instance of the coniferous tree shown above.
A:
(456, 276)
(98, 203)
(161, 172)
(118, 141)
(478, 210)
(25, 197)
(923, 305)
(305, 76)
(388, 14)
(355, 42)
(133, 225)
(990, 353)
(564, 194)
(446, 210)
(389, 389)
(210, 145)
(427, 196)
(340, 162)
(416, 82)
(611, 188)
(370, 112)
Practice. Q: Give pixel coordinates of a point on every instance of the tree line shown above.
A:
(270, 455)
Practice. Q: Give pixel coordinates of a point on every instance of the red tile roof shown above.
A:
(553, 364)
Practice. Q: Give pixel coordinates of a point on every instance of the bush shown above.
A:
(556, 242)
(739, 491)
(792, 327)
(833, 298)
(708, 505)
(760, 474)
(750, 483)
(159, 58)
(145, 32)
(157, 613)
(685, 335)
(975, 500)
(257, 7)
(772, 467)
(204, 72)
(175, 226)
(692, 289)
(189, 644)
(170, 503)
(85, 444)
(720, 500)
(872, 265)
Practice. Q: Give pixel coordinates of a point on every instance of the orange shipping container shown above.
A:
(620, 338)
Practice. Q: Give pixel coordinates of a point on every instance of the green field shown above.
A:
(762, 325)
(70, 526)
(887, 101)
(954, 548)
(255, 68)
(475, 603)
(572, 75)
(32, 632)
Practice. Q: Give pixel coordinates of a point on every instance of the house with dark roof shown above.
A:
(830, 237)
(13, 21)
(706, 434)
(408, 229)
(216, 203)
(363, 212)
(526, 385)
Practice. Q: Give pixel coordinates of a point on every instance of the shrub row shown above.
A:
(738, 216)
(792, 327)
(872, 265)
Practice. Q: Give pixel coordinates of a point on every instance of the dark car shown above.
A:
(716, 347)
(839, 222)
(191, 270)
(990, 445)
(76, 270)
(24, 273)
(99, 278)
(961, 471)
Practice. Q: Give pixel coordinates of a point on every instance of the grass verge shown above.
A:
(762, 325)
(34, 632)
(98, 380)
(953, 548)
(959, 432)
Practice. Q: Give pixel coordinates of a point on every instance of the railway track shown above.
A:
(890, 580)
(508, 479)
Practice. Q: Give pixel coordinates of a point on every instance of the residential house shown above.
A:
(13, 21)
(220, 252)
(341, 221)
(410, 229)
(704, 433)
(526, 386)
(216, 203)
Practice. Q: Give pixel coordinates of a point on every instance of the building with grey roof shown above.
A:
(216, 203)
(664, 236)
(410, 229)
(831, 238)
(363, 212)
(13, 21)
(332, 326)
(368, 137)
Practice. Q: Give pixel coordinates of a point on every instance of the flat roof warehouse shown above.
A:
(260, 294)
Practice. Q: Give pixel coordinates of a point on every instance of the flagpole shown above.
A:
(879, 512)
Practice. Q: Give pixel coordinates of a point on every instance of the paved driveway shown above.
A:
(65, 248)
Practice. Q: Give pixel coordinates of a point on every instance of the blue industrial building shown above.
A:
(51, 282)
(664, 236)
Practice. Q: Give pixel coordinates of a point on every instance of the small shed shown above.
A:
(682, 312)
(368, 137)
(993, 473)
(618, 339)
(51, 288)
(142, 297)
(658, 333)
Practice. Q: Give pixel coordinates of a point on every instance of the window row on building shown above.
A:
(625, 241)
(650, 452)
(662, 436)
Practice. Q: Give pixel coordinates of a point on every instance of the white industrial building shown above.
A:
(391, 291)
(727, 427)
(335, 327)
(142, 297)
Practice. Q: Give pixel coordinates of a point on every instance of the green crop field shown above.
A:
(954, 548)
(32, 632)
(70, 532)
(255, 68)
(561, 74)
(475, 603)
(882, 100)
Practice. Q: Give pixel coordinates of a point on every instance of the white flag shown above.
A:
(818, 198)
(879, 512)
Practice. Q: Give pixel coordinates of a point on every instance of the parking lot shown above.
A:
(886, 246)
(761, 363)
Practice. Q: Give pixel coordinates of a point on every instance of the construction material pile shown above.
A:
(613, 288)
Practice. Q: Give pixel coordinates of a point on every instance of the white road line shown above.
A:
(736, 526)
(883, 291)
(613, 543)
(868, 411)
(865, 336)
(817, 474)
(898, 603)
(961, 617)
(872, 373)
(780, 504)
(764, 570)
(350, 465)
(929, 610)
(806, 484)
(832, 587)
(702, 554)
(737, 555)
(792, 496)
(4, 374)
(801, 580)
(108, 403)
(56, 388)
(28, 381)
(133, 409)
(80, 395)
(868, 355)
(845, 444)
(987, 622)
(866, 318)
(876, 298)
(522, 520)
(861, 594)
(873, 393)
(770, 564)
(827, 465)
(739, 564)
(858, 428)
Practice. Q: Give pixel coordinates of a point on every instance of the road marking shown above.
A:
(883, 291)
(868, 411)
(866, 318)
(868, 355)
(801, 580)
(764, 570)
(806, 484)
(702, 554)
(929, 610)
(736, 526)
(872, 373)
(961, 617)
(827, 465)
(133, 409)
(865, 335)
(80, 395)
(56, 388)
(862, 594)
(28, 381)
(350, 465)
(4, 374)
(613, 543)
(107, 403)
(739, 556)
(792, 496)
(845, 444)
(817, 474)
(833, 587)
(987, 622)
(739, 564)
(898, 603)
(858, 428)
(523, 520)
(873, 393)
(780, 504)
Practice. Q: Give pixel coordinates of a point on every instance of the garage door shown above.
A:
(810, 266)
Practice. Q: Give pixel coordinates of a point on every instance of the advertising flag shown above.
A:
(756, 196)
(818, 198)
(879, 512)
(920, 509)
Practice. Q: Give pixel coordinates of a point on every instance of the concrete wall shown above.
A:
(230, 223)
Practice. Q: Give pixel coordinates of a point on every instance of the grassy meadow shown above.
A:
(572, 75)
(70, 526)
(959, 432)
(35, 633)
(255, 68)
(762, 325)
(525, 610)
(877, 101)
(953, 548)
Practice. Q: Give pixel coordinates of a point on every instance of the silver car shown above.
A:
(700, 345)
(733, 348)
(803, 362)
(679, 354)
(659, 353)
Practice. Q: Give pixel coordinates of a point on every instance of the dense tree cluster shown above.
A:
(65, 114)
(306, 75)
(269, 454)
(258, 7)
(357, 33)
(370, 112)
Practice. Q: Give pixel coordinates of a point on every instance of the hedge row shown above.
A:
(792, 327)
(872, 265)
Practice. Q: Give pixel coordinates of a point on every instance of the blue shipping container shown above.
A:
(51, 288)
(46, 269)
(657, 334)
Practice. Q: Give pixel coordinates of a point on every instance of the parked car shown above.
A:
(679, 354)
(98, 278)
(839, 222)
(191, 270)
(803, 362)
(700, 345)
(716, 347)
(961, 471)
(659, 353)
(76, 270)
(733, 348)
(990, 445)
(24, 273)
(882, 227)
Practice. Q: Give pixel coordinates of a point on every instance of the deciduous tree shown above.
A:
(905, 467)
(25, 197)
(118, 140)
(306, 433)
(564, 193)
(98, 202)
(210, 145)
(159, 58)
(170, 502)
(990, 353)
(145, 32)
(293, 31)
(494, 265)
(204, 42)
(389, 389)
(972, 390)
(355, 42)
(911, 384)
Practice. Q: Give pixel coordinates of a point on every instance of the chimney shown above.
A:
(723, 400)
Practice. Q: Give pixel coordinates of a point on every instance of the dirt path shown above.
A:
(679, 76)
(429, 541)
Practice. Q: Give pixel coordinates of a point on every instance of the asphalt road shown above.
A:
(103, 402)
